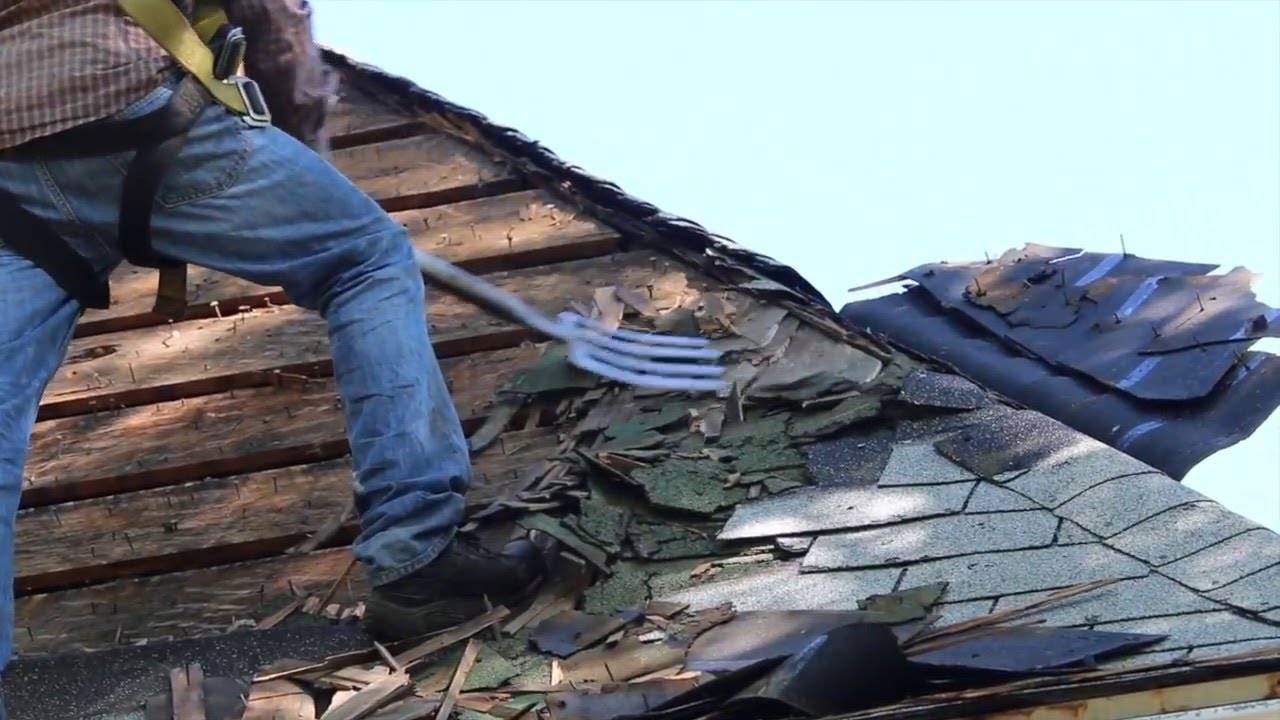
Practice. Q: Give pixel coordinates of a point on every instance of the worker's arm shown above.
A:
(284, 60)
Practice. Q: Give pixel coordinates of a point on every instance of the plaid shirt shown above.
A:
(65, 63)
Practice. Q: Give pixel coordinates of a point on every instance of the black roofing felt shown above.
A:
(1170, 436)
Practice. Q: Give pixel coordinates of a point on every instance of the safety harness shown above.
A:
(211, 51)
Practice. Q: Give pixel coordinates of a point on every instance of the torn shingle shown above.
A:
(1014, 441)
(855, 459)
(1116, 505)
(1227, 561)
(933, 538)
(941, 390)
(836, 507)
(1002, 573)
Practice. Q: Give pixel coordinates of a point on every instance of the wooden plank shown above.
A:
(225, 434)
(219, 520)
(186, 688)
(357, 111)
(177, 605)
(427, 169)
(201, 357)
(506, 232)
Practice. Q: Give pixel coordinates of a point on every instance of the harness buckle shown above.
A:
(258, 114)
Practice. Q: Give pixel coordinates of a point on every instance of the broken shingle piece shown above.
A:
(815, 365)
(696, 486)
(552, 373)
(659, 540)
(821, 423)
(941, 390)
(837, 507)
(1014, 441)
(571, 631)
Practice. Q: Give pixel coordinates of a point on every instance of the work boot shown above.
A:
(453, 588)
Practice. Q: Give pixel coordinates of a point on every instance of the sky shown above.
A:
(854, 140)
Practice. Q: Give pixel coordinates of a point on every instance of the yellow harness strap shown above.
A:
(166, 24)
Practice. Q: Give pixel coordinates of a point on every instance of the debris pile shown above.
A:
(674, 589)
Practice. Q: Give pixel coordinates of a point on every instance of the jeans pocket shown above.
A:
(212, 160)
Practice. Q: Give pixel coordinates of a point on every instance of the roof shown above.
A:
(838, 469)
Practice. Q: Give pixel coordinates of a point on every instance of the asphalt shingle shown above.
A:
(996, 574)
(1196, 629)
(784, 588)
(1142, 597)
(951, 613)
(1116, 505)
(840, 507)
(933, 538)
(1258, 592)
(1234, 648)
(917, 463)
(1227, 561)
(1180, 531)
(1070, 533)
(989, 497)
(1076, 470)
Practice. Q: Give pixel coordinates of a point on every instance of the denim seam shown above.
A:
(220, 185)
(382, 577)
(68, 212)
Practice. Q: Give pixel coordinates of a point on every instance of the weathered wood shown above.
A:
(225, 434)
(201, 357)
(219, 520)
(428, 169)
(186, 688)
(357, 111)
(506, 232)
(177, 605)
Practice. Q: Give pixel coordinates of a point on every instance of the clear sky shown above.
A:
(855, 140)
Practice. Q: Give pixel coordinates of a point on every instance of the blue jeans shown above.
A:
(255, 203)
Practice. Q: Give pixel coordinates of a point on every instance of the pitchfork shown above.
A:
(650, 360)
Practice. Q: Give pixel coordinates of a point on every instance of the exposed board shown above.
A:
(175, 464)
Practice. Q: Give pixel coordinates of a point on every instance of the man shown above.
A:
(255, 202)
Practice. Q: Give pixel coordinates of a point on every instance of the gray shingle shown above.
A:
(784, 588)
(1054, 482)
(1072, 534)
(989, 497)
(1144, 659)
(1119, 504)
(1258, 592)
(840, 507)
(1126, 600)
(1004, 573)
(1180, 531)
(934, 538)
(917, 463)
(1235, 648)
(1196, 629)
(1228, 561)
(951, 613)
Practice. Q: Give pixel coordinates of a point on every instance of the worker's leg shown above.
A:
(257, 204)
(36, 320)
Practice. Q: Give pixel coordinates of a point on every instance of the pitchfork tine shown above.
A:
(636, 358)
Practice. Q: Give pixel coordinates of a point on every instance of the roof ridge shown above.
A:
(560, 175)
